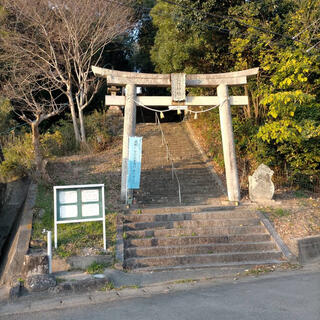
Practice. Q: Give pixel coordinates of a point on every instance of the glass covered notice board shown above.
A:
(79, 203)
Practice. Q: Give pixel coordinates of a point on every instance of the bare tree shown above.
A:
(35, 99)
(63, 39)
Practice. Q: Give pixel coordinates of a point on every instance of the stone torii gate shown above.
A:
(178, 83)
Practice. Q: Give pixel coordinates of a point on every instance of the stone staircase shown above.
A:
(198, 185)
(160, 234)
(196, 237)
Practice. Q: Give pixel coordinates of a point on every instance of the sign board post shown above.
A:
(79, 203)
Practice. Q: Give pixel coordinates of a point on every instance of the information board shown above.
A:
(79, 203)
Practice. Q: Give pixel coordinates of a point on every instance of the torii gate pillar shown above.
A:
(229, 152)
(129, 129)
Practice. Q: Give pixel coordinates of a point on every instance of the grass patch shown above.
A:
(184, 281)
(95, 268)
(109, 286)
(60, 280)
(259, 270)
(43, 218)
(276, 212)
(300, 194)
(279, 212)
(135, 286)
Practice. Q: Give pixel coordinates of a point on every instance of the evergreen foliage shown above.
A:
(281, 124)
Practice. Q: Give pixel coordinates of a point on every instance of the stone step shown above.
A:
(166, 176)
(174, 200)
(213, 231)
(195, 174)
(172, 194)
(172, 189)
(224, 265)
(206, 181)
(185, 197)
(195, 240)
(199, 249)
(187, 186)
(180, 260)
(205, 215)
(187, 224)
(154, 211)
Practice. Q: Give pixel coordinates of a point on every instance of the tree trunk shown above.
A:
(38, 158)
(256, 109)
(74, 118)
(248, 107)
(82, 128)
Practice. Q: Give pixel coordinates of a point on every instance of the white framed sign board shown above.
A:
(79, 203)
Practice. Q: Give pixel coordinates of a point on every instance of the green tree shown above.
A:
(188, 39)
(280, 125)
(286, 99)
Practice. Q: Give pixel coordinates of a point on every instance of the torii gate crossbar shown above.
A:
(219, 80)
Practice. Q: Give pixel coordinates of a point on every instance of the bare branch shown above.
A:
(58, 41)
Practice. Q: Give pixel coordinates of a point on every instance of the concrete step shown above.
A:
(199, 249)
(195, 240)
(194, 234)
(179, 260)
(213, 231)
(155, 211)
(171, 190)
(165, 170)
(186, 188)
(187, 224)
(209, 265)
(206, 181)
(205, 215)
(174, 200)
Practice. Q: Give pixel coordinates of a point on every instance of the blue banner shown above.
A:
(134, 162)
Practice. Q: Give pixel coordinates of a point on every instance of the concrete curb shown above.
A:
(57, 303)
(20, 244)
(309, 249)
(128, 292)
(274, 234)
(205, 158)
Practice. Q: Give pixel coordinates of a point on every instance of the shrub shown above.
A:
(65, 139)
(18, 151)
(18, 156)
(52, 143)
(6, 122)
(101, 128)
(95, 268)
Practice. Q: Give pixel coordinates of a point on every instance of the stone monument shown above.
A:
(261, 187)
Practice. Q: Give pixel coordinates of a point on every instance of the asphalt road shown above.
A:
(286, 297)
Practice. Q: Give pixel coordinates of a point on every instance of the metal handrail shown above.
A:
(169, 157)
